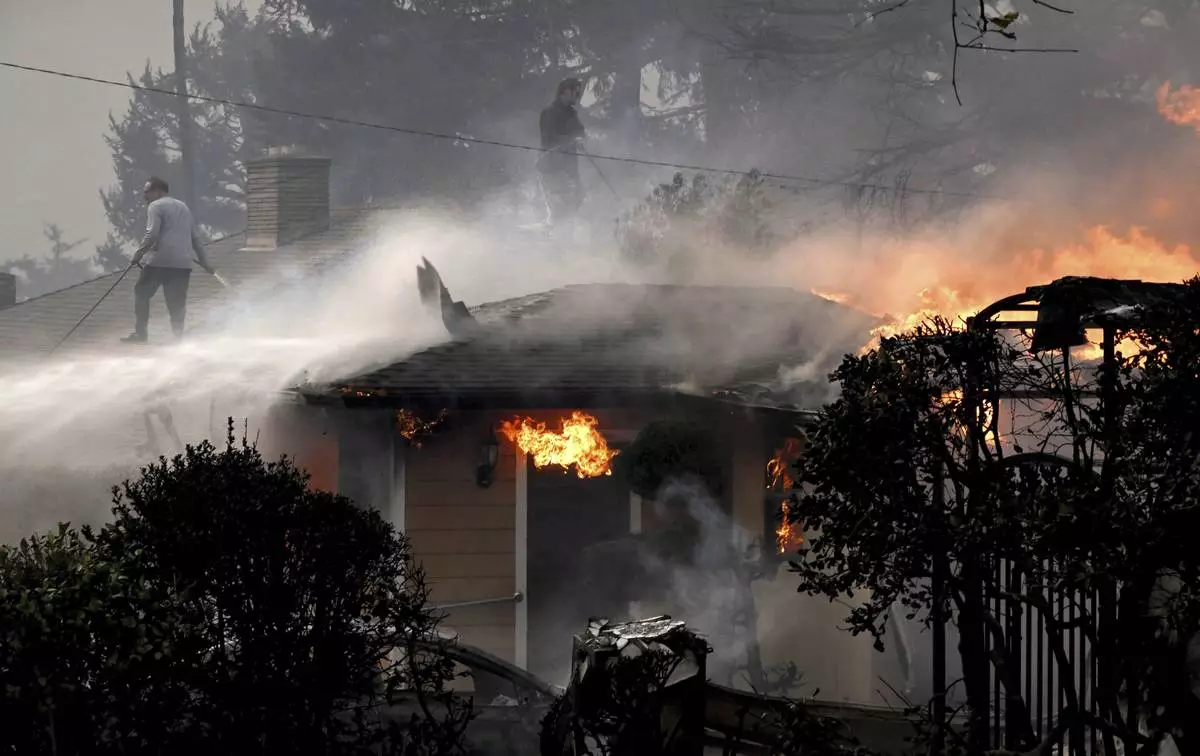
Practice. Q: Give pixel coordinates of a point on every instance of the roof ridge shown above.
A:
(348, 214)
(102, 276)
(43, 295)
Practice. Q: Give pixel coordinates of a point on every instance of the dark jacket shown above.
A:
(561, 128)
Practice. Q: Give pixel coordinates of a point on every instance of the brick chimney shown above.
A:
(287, 198)
(8, 290)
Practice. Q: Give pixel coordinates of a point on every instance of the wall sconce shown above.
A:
(489, 455)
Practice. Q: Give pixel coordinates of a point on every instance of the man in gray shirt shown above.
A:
(171, 240)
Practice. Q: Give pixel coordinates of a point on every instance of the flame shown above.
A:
(957, 287)
(789, 536)
(576, 444)
(1094, 349)
(986, 414)
(832, 296)
(938, 301)
(779, 468)
(413, 428)
(1181, 106)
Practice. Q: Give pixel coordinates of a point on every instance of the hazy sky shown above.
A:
(52, 152)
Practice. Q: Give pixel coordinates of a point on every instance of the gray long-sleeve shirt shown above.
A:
(171, 239)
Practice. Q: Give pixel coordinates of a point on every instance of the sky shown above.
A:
(52, 151)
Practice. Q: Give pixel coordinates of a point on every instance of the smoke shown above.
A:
(83, 412)
(79, 416)
(708, 580)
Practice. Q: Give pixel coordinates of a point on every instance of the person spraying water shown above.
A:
(171, 240)
(562, 139)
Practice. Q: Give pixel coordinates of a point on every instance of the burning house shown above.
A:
(499, 453)
(498, 449)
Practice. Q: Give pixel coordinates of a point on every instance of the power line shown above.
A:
(783, 177)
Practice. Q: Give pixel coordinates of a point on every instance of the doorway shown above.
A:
(566, 514)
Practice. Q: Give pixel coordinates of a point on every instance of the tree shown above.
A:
(111, 255)
(914, 480)
(884, 78)
(57, 271)
(298, 595)
(144, 142)
(226, 608)
(86, 652)
(411, 65)
(683, 216)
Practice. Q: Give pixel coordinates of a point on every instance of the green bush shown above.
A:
(672, 450)
(227, 609)
(87, 651)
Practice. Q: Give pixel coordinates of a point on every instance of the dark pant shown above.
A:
(174, 283)
(563, 192)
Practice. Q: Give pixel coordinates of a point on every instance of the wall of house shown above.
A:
(307, 434)
(792, 627)
(465, 535)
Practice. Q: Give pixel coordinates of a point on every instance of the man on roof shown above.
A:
(172, 239)
(562, 141)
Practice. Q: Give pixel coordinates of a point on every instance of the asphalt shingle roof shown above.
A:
(35, 326)
(626, 338)
(603, 338)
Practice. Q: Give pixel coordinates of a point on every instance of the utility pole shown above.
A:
(183, 112)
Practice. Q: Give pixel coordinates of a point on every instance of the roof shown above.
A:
(621, 339)
(577, 341)
(33, 327)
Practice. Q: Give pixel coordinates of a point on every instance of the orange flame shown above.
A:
(789, 536)
(413, 428)
(576, 444)
(779, 468)
(954, 397)
(832, 296)
(1181, 106)
(956, 287)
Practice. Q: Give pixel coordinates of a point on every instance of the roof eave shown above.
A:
(433, 401)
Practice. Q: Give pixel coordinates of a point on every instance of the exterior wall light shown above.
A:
(489, 456)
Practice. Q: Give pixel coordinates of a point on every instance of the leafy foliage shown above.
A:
(911, 473)
(667, 226)
(227, 608)
(144, 142)
(619, 709)
(60, 268)
(111, 255)
(86, 652)
(668, 451)
(622, 708)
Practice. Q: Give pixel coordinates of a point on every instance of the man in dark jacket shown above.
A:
(562, 136)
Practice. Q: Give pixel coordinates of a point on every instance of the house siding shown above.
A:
(794, 627)
(309, 436)
(464, 535)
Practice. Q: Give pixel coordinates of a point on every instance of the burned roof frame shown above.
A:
(1068, 306)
